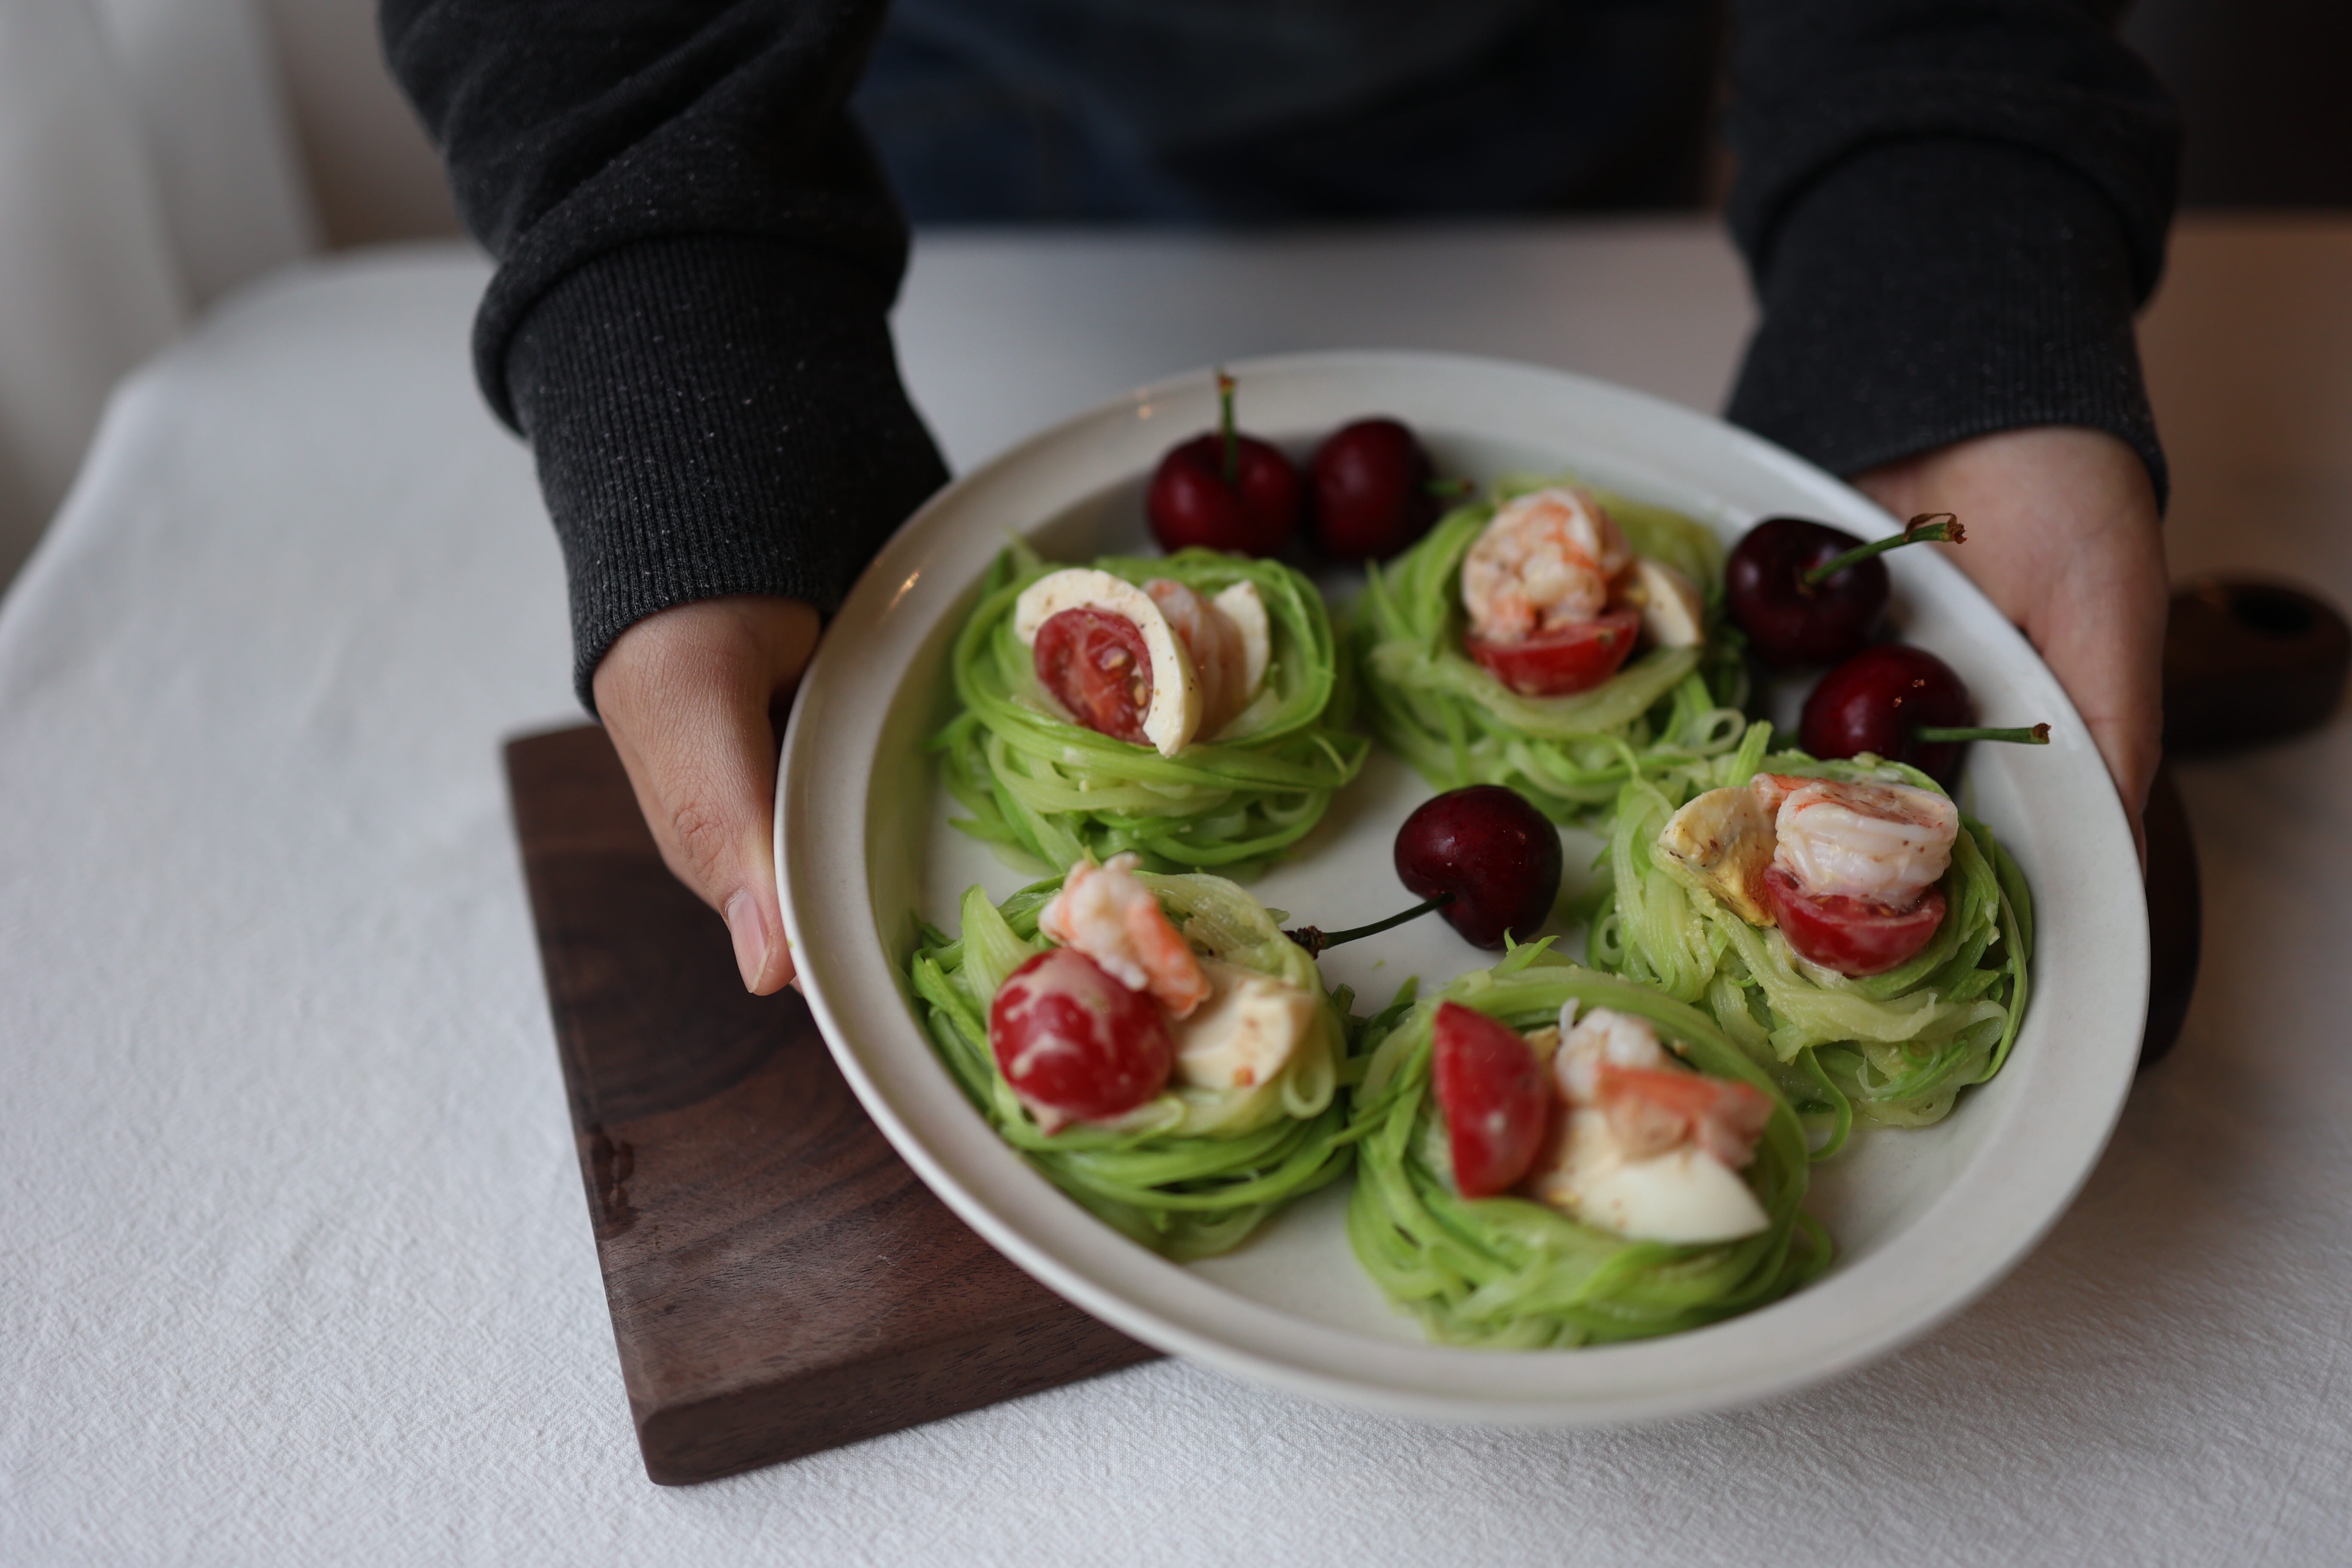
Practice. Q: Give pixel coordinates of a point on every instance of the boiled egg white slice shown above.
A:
(1684, 1196)
(1174, 714)
(1244, 1034)
(1673, 613)
(1242, 606)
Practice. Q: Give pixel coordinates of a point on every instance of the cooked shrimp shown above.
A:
(1215, 642)
(1613, 1061)
(1549, 558)
(1884, 842)
(1602, 1034)
(1107, 913)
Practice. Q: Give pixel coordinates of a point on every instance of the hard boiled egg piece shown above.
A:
(1246, 610)
(1684, 1195)
(1174, 715)
(1722, 840)
(1673, 613)
(1244, 1034)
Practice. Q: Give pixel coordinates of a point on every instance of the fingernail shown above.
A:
(749, 926)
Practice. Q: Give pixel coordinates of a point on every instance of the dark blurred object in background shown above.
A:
(2248, 662)
(1244, 111)
(2261, 92)
(2176, 918)
(2259, 83)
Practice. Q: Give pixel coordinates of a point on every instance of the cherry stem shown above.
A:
(2032, 735)
(1313, 939)
(1225, 424)
(1453, 489)
(1936, 526)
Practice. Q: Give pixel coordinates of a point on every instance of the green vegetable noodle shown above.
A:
(1038, 784)
(1458, 725)
(1895, 1047)
(1194, 1171)
(1513, 1273)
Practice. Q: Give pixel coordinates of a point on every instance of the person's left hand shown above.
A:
(2063, 533)
(694, 697)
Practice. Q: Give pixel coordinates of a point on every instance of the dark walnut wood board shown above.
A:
(779, 1281)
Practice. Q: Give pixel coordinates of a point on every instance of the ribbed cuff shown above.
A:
(1924, 292)
(714, 415)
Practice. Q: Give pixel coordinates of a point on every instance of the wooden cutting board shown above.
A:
(779, 1281)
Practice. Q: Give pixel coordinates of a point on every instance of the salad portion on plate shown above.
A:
(1191, 710)
(1553, 640)
(1155, 1044)
(1841, 920)
(1554, 1157)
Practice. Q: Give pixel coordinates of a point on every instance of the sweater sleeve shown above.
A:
(697, 256)
(1951, 210)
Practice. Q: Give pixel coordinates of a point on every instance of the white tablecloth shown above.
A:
(297, 1267)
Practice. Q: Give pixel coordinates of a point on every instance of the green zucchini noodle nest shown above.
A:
(1458, 725)
(1509, 1272)
(1895, 1047)
(1037, 783)
(1194, 1171)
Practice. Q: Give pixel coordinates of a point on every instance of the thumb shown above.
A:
(692, 698)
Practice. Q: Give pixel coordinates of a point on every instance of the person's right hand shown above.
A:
(694, 698)
(2064, 537)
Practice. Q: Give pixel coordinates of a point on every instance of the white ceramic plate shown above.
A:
(1924, 1220)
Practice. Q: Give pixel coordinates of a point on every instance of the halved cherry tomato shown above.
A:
(1855, 936)
(1076, 1044)
(1652, 1109)
(1560, 663)
(1096, 666)
(1495, 1097)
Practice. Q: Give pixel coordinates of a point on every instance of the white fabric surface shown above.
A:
(297, 1265)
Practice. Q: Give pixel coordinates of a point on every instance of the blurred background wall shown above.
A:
(2261, 89)
(154, 154)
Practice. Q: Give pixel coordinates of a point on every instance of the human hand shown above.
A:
(694, 698)
(2064, 537)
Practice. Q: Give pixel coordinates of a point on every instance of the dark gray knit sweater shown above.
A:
(1952, 209)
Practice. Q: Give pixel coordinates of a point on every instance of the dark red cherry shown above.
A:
(1906, 705)
(1369, 490)
(1225, 490)
(1875, 700)
(1797, 612)
(1490, 853)
(1791, 625)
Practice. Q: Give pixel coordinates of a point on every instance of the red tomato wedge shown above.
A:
(1855, 936)
(1495, 1096)
(1096, 666)
(1076, 1045)
(1564, 661)
(1653, 1109)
